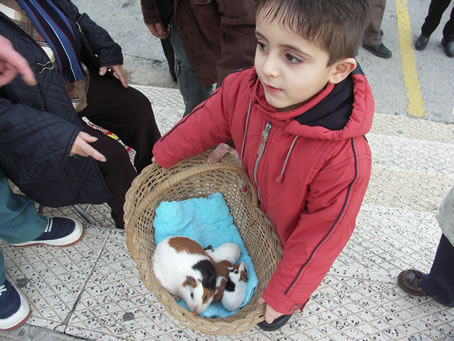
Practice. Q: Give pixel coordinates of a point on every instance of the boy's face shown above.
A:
(290, 68)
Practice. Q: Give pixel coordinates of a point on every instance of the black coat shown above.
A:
(38, 124)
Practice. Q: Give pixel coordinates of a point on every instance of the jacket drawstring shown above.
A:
(281, 176)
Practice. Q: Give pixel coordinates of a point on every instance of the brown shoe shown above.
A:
(410, 282)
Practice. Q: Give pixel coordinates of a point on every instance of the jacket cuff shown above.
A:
(158, 156)
(280, 302)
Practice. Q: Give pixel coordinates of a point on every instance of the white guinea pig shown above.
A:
(183, 267)
(227, 251)
(236, 287)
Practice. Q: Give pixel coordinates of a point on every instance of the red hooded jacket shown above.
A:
(311, 167)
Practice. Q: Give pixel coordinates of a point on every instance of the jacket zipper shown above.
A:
(263, 141)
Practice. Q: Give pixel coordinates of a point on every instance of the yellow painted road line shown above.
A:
(408, 60)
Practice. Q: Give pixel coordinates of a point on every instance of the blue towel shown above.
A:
(208, 221)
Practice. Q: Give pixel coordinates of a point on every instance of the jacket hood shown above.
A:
(338, 112)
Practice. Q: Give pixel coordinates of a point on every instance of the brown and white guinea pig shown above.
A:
(227, 251)
(236, 287)
(185, 270)
(222, 274)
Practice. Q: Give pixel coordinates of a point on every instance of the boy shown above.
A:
(298, 120)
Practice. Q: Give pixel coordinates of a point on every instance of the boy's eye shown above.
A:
(292, 59)
(262, 46)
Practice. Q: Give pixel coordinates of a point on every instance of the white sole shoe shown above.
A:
(68, 240)
(19, 317)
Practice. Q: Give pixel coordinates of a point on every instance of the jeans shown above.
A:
(19, 221)
(190, 88)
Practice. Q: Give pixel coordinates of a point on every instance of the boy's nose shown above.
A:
(270, 67)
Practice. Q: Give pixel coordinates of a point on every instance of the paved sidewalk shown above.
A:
(92, 290)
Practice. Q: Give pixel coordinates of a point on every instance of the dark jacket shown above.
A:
(38, 124)
(218, 35)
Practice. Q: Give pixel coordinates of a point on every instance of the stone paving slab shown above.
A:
(92, 290)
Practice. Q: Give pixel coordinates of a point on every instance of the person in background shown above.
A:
(210, 39)
(373, 34)
(439, 282)
(297, 120)
(79, 73)
(436, 10)
(20, 224)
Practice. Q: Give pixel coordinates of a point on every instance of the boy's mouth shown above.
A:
(271, 89)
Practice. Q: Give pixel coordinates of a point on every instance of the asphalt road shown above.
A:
(411, 83)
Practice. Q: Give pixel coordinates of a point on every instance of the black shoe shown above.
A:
(410, 282)
(449, 47)
(14, 309)
(380, 51)
(60, 231)
(421, 42)
(275, 325)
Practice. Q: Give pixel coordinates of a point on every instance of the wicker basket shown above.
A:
(194, 178)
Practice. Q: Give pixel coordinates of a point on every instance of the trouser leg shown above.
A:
(2, 268)
(124, 111)
(372, 35)
(118, 171)
(436, 10)
(190, 88)
(439, 283)
(448, 30)
(19, 221)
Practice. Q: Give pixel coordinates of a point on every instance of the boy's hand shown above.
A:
(220, 151)
(81, 147)
(270, 313)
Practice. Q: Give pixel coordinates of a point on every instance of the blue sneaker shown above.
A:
(14, 308)
(60, 231)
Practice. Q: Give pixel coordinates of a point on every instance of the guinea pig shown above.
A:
(227, 251)
(222, 273)
(185, 270)
(236, 287)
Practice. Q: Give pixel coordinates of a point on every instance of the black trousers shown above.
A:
(439, 283)
(127, 113)
(436, 10)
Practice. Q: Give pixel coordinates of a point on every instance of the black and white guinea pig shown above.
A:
(236, 287)
(183, 267)
(227, 251)
(222, 274)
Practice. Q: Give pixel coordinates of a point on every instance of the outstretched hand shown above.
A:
(12, 63)
(81, 147)
(117, 70)
(220, 151)
(270, 313)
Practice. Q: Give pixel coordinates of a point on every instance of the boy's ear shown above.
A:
(341, 69)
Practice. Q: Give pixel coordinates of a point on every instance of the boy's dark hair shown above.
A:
(336, 26)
